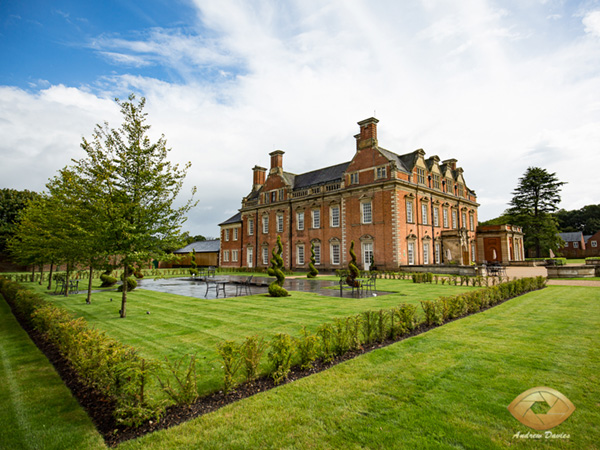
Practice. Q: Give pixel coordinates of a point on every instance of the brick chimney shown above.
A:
(258, 178)
(276, 161)
(451, 163)
(368, 133)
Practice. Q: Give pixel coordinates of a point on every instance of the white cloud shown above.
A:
(443, 76)
(592, 23)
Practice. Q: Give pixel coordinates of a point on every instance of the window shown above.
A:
(437, 252)
(411, 253)
(265, 256)
(463, 218)
(265, 223)
(335, 216)
(575, 244)
(436, 217)
(454, 219)
(367, 255)
(280, 223)
(594, 244)
(381, 172)
(354, 178)
(235, 255)
(566, 245)
(300, 255)
(426, 253)
(300, 220)
(335, 253)
(461, 190)
(226, 255)
(250, 227)
(235, 233)
(420, 176)
(281, 195)
(424, 213)
(436, 181)
(445, 217)
(472, 252)
(317, 249)
(273, 196)
(316, 218)
(471, 222)
(367, 216)
(226, 232)
(409, 212)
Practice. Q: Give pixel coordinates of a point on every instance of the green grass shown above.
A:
(179, 325)
(37, 410)
(447, 389)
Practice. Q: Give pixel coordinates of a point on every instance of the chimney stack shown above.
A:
(276, 161)
(451, 163)
(259, 176)
(368, 133)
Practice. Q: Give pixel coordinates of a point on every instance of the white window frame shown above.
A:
(316, 218)
(575, 244)
(445, 217)
(236, 234)
(454, 219)
(280, 223)
(426, 248)
(335, 216)
(463, 217)
(409, 212)
(437, 252)
(226, 233)
(420, 176)
(424, 214)
(317, 249)
(366, 213)
(250, 227)
(235, 255)
(226, 255)
(410, 253)
(265, 256)
(436, 217)
(368, 253)
(336, 258)
(473, 252)
(354, 178)
(471, 222)
(300, 259)
(380, 172)
(265, 224)
(594, 244)
(300, 220)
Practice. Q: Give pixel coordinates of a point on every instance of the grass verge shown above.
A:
(38, 410)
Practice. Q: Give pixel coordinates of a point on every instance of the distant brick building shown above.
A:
(398, 209)
(574, 245)
(500, 243)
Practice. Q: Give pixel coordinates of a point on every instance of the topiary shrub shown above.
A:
(313, 270)
(131, 281)
(276, 287)
(107, 279)
(194, 269)
(351, 279)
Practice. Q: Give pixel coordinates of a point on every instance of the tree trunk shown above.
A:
(88, 300)
(41, 274)
(67, 275)
(124, 296)
(32, 273)
(50, 276)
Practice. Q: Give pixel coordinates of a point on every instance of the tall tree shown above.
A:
(586, 219)
(534, 200)
(12, 202)
(132, 187)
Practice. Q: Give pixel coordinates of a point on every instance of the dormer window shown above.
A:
(381, 172)
(436, 181)
(354, 178)
(420, 176)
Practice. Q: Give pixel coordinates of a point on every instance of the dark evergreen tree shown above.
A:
(534, 200)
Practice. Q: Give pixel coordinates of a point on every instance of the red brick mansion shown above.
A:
(398, 209)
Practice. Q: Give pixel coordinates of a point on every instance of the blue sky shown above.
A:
(498, 85)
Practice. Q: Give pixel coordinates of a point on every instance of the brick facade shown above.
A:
(398, 209)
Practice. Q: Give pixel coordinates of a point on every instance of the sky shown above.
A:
(498, 85)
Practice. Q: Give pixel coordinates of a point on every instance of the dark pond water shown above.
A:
(229, 286)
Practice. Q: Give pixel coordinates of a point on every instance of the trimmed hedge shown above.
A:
(350, 334)
(113, 369)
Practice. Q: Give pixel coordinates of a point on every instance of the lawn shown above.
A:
(38, 410)
(178, 325)
(447, 388)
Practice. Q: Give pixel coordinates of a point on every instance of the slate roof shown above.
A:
(397, 159)
(211, 246)
(320, 176)
(574, 236)
(233, 219)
